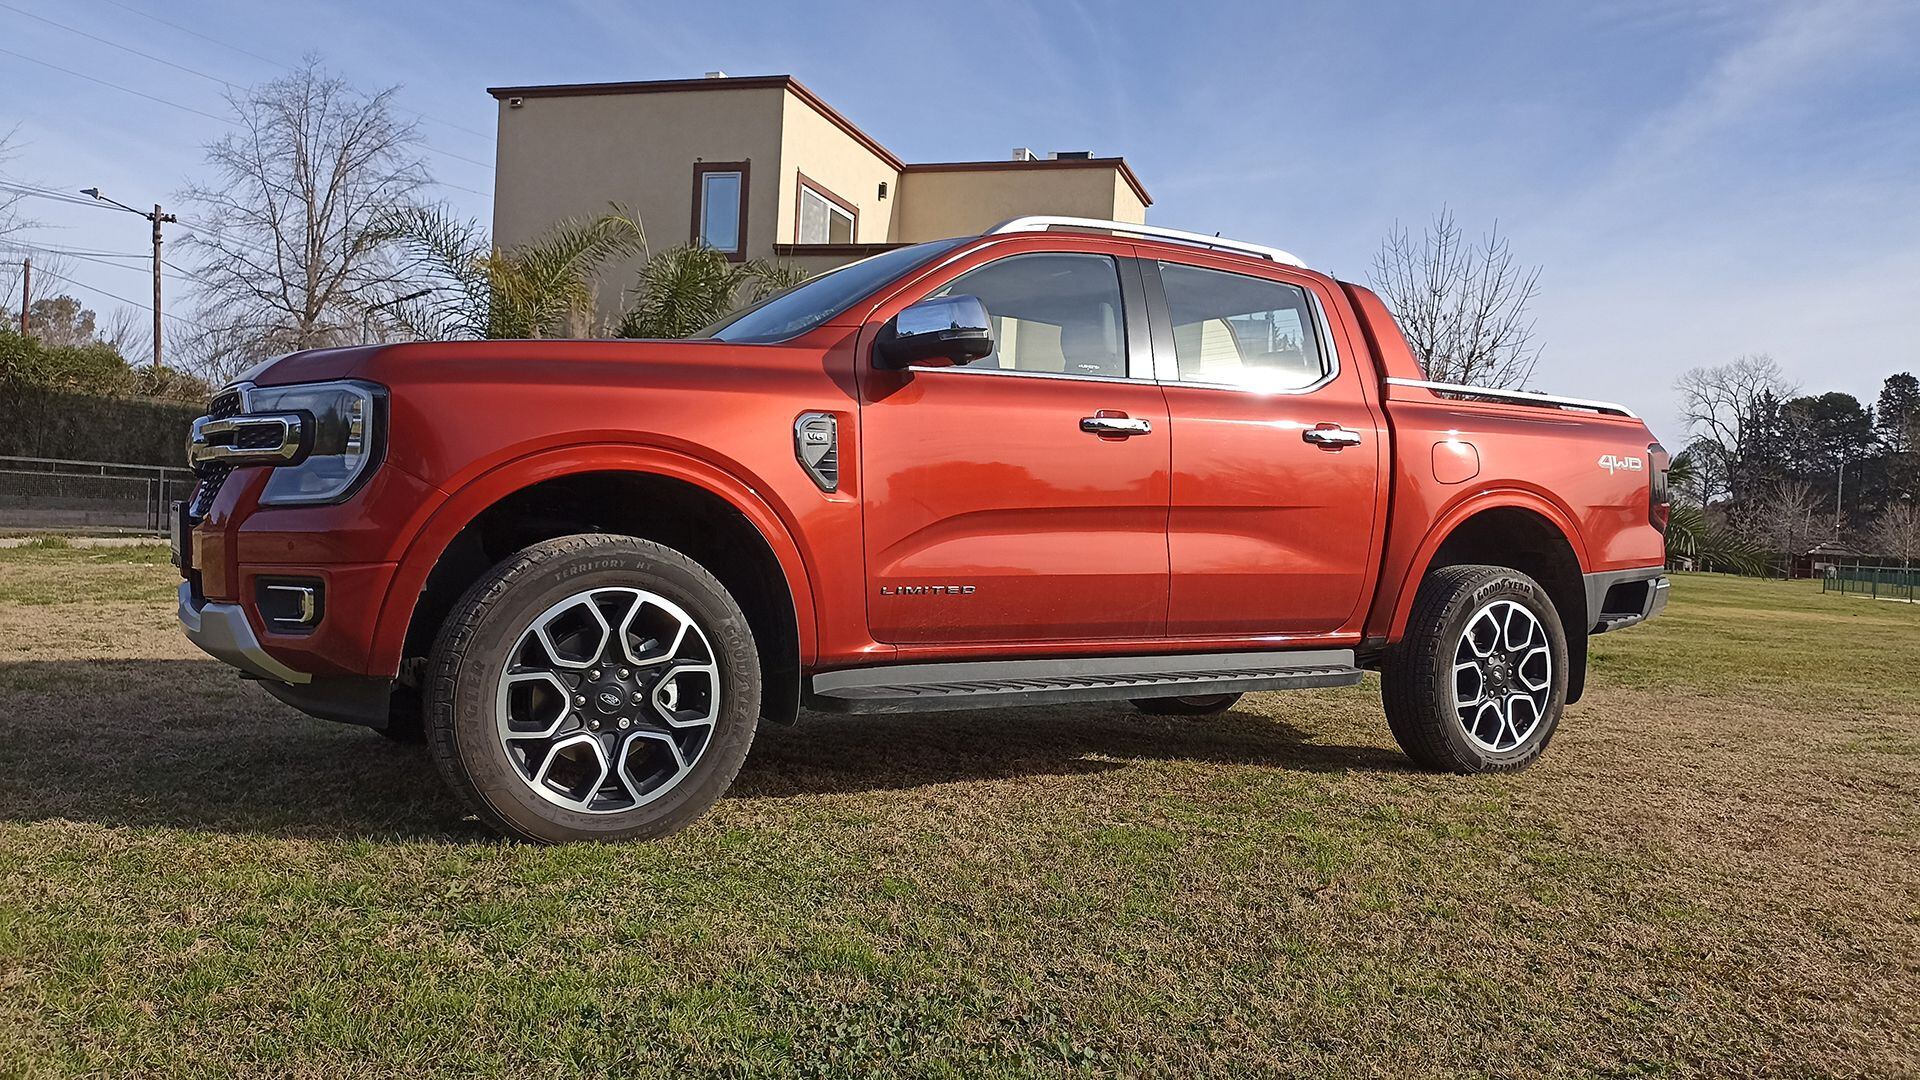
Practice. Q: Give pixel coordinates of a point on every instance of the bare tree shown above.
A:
(1789, 519)
(1462, 305)
(11, 219)
(1897, 532)
(128, 331)
(290, 249)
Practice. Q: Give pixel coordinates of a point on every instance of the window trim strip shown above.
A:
(700, 171)
(1166, 364)
(805, 183)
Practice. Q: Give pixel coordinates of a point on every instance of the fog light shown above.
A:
(289, 605)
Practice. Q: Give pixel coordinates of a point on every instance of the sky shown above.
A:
(1698, 182)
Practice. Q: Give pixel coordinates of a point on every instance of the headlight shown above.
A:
(345, 439)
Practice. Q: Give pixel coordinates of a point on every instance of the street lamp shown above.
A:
(158, 218)
(366, 317)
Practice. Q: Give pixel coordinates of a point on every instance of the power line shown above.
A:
(222, 119)
(117, 296)
(270, 60)
(115, 86)
(196, 72)
(103, 262)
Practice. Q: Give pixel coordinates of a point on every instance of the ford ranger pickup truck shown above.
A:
(1063, 461)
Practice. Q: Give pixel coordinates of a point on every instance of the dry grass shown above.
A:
(1712, 872)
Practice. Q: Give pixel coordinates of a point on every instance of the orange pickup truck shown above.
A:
(1065, 460)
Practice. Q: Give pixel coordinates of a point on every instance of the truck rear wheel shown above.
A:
(593, 687)
(1479, 681)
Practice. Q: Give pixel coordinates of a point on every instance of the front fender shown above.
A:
(476, 494)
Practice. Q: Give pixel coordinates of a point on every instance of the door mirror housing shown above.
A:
(951, 328)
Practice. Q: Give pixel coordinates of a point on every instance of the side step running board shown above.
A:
(1002, 683)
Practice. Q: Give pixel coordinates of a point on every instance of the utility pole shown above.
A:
(158, 217)
(26, 292)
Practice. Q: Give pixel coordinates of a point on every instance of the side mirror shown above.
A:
(951, 328)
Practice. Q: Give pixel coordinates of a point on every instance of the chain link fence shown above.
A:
(56, 493)
(1878, 582)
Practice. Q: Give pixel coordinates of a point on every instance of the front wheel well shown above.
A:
(1524, 540)
(683, 516)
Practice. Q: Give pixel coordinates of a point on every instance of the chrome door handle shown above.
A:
(1115, 425)
(1331, 437)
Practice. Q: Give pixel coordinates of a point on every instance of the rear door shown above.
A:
(993, 513)
(1277, 451)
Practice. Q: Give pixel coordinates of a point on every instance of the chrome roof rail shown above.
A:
(1524, 397)
(1043, 222)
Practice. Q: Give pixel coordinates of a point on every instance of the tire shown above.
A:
(1191, 705)
(648, 664)
(1426, 694)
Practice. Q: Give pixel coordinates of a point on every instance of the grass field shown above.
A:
(1715, 870)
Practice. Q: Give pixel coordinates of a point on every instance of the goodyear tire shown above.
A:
(593, 687)
(1479, 681)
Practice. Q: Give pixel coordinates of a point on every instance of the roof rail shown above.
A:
(1522, 397)
(1043, 222)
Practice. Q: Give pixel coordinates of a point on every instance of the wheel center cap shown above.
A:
(609, 698)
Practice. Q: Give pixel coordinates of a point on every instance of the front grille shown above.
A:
(226, 403)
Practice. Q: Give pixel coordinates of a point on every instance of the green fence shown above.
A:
(1879, 582)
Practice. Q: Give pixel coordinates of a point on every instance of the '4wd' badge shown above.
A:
(1613, 463)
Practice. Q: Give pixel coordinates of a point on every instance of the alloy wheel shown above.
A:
(608, 700)
(1502, 676)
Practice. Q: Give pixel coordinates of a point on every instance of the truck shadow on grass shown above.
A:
(182, 744)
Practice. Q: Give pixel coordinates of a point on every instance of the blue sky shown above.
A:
(1699, 181)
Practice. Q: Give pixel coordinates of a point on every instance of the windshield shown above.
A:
(816, 300)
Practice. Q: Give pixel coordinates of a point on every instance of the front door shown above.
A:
(1276, 455)
(1004, 502)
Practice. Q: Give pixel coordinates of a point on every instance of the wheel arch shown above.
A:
(1522, 532)
(711, 516)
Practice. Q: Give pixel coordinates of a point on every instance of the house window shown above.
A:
(821, 217)
(720, 207)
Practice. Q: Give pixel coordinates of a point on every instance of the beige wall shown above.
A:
(562, 157)
(830, 157)
(568, 156)
(937, 203)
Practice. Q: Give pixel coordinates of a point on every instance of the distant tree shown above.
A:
(1897, 533)
(61, 321)
(1896, 420)
(1789, 520)
(1732, 411)
(1462, 304)
(11, 218)
(289, 248)
(1896, 416)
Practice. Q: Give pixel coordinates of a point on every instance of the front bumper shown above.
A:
(222, 630)
(1621, 598)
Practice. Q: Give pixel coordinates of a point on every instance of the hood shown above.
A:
(387, 362)
(311, 365)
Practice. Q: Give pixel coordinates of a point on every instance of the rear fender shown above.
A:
(1453, 517)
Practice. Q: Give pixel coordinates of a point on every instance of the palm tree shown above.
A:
(685, 289)
(543, 288)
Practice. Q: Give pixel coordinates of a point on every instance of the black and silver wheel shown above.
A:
(1479, 680)
(1190, 705)
(593, 688)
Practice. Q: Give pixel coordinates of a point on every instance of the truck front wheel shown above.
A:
(593, 687)
(1479, 681)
